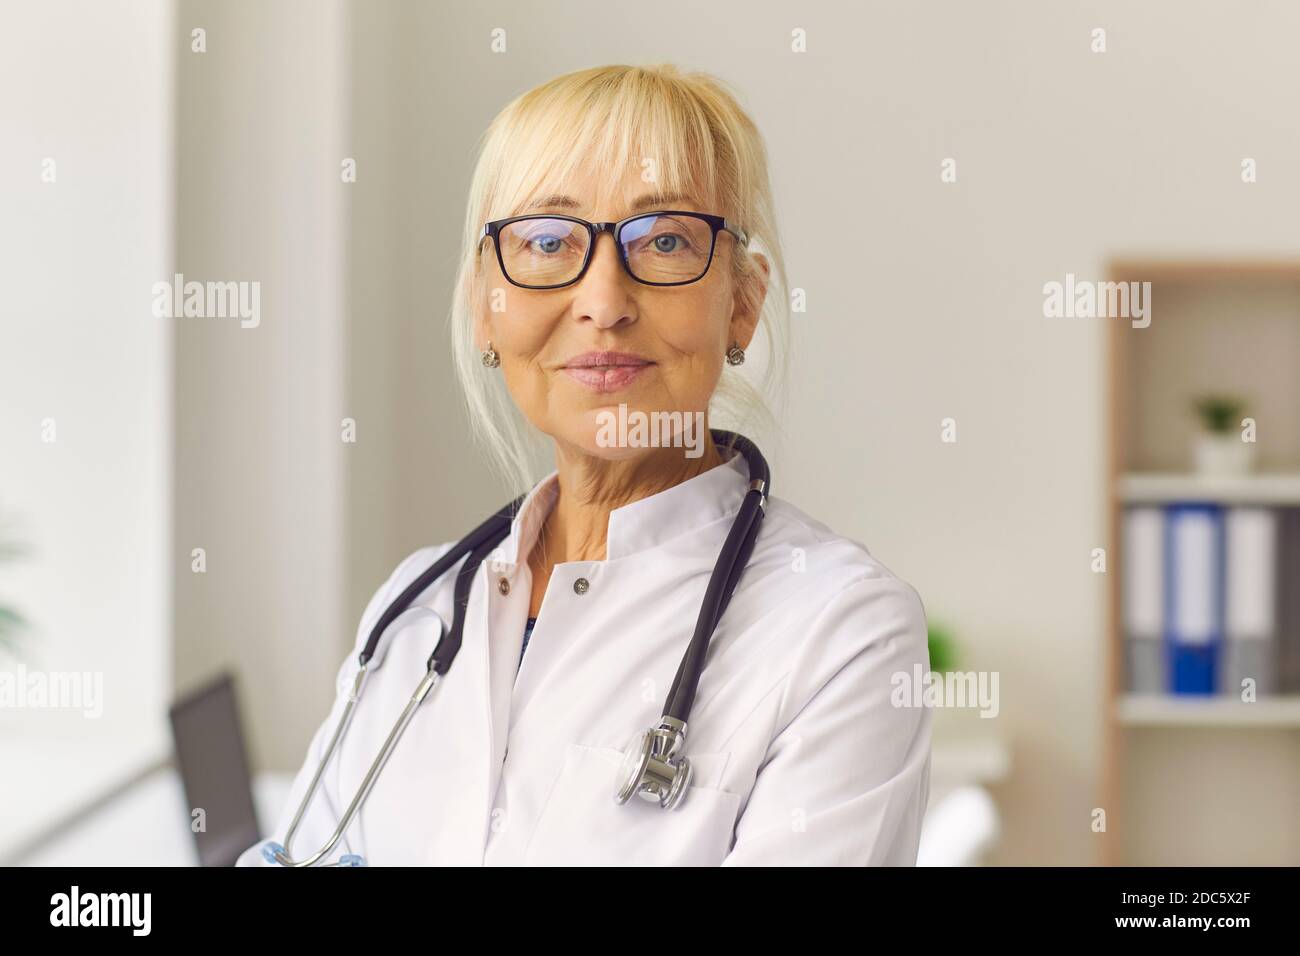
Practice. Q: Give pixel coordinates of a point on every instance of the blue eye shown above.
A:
(549, 244)
(675, 241)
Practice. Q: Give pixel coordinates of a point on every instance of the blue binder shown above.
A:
(1194, 596)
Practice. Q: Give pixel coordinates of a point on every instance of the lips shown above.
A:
(606, 371)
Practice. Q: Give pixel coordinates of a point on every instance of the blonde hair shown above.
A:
(700, 142)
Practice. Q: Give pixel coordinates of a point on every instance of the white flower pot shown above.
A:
(1223, 455)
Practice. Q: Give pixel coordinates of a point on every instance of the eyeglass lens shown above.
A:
(658, 248)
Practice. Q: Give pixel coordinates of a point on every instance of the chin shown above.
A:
(617, 434)
(587, 432)
(590, 436)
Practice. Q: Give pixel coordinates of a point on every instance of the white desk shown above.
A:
(148, 825)
(962, 823)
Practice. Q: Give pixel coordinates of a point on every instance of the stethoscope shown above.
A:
(654, 767)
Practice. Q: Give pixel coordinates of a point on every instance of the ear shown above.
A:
(482, 326)
(483, 315)
(482, 299)
(749, 300)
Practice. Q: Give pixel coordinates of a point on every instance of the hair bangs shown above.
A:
(638, 124)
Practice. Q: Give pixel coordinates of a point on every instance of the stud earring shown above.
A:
(490, 357)
(735, 355)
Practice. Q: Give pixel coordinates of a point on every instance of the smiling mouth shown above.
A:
(606, 377)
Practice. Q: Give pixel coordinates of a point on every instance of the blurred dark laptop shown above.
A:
(213, 765)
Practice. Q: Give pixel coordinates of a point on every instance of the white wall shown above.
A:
(924, 299)
(87, 84)
(924, 302)
(262, 128)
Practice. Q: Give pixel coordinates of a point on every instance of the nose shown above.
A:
(602, 295)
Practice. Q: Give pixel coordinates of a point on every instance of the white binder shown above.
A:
(1252, 573)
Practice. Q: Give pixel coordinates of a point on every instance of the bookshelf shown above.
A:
(1156, 710)
(1280, 488)
(1188, 780)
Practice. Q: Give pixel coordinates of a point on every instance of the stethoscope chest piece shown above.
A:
(652, 768)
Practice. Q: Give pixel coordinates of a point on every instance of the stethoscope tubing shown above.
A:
(476, 547)
(732, 560)
(493, 530)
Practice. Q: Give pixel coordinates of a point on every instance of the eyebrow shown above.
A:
(651, 201)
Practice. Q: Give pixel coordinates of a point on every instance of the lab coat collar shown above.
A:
(645, 523)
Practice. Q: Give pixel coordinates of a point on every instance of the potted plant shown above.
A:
(943, 649)
(1219, 448)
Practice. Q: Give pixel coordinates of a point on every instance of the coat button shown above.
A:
(580, 586)
(503, 586)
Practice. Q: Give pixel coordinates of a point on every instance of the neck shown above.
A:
(590, 488)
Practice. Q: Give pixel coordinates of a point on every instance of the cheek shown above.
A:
(518, 325)
(697, 331)
(521, 338)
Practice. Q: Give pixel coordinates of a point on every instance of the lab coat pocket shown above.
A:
(582, 824)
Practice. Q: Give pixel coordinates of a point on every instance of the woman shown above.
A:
(574, 631)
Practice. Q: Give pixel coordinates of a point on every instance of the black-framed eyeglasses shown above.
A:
(548, 251)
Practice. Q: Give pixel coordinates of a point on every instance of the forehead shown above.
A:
(592, 193)
(649, 201)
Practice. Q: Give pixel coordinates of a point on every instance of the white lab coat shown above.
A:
(800, 756)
